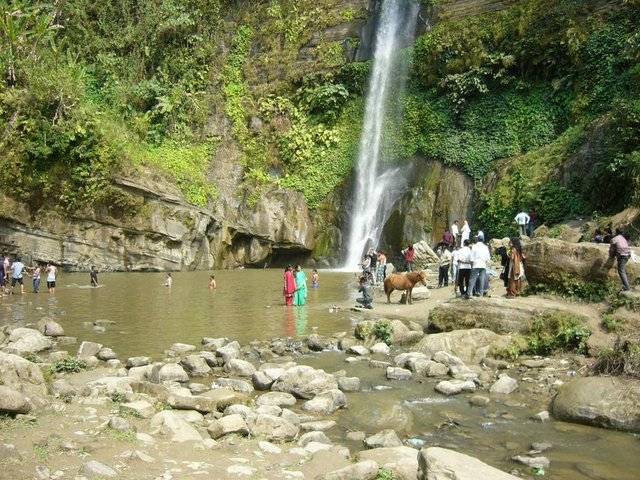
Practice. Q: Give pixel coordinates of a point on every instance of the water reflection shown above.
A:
(246, 305)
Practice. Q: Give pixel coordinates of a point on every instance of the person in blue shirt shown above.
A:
(17, 271)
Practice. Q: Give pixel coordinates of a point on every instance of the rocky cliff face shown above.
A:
(168, 234)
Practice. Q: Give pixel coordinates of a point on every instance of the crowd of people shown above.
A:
(13, 273)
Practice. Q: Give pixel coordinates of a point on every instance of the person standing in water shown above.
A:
(315, 279)
(168, 281)
(36, 277)
(300, 295)
(94, 276)
(212, 282)
(289, 286)
(51, 272)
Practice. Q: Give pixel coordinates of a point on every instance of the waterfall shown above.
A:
(376, 191)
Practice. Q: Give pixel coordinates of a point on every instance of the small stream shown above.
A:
(247, 305)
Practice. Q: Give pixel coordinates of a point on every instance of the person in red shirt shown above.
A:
(289, 285)
(408, 257)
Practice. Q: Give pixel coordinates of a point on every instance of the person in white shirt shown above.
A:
(465, 232)
(455, 231)
(522, 219)
(480, 256)
(464, 268)
(455, 257)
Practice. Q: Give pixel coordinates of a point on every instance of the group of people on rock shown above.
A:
(13, 273)
(468, 267)
(295, 285)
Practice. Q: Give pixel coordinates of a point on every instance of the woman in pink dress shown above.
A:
(289, 285)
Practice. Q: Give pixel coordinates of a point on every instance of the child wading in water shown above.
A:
(315, 279)
(212, 282)
(169, 281)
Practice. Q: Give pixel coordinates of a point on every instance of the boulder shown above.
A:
(50, 328)
(227, 425)
(172, 372)
(326, 403)
(349, 384)
(182, 348)
(585, 261)
(504, 385)
(471, 346)
(383, 439)
(240, 368)
(229, 351)
(435, 463)
(212, 344)
(272, 428)
(423, 255)
(281, 399)
(381, 348)
(139, 408)
(23, 341)
(22, 375)
(365, 470)
(499, 314)
(454, 387)
(88, 349)
(105, 354)
(318, 437)
(317, 343)
(402, 461)
(61, 388)
(235, 385)
(395, 373)
(171, 423)
(94, 469)
(608, 402)
(264, 379)
(305, 382)
(137, 362)
(12, 401)
(196, 365)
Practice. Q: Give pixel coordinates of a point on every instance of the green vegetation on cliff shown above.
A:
(539, 102)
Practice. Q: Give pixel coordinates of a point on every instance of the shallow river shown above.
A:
(247, 305)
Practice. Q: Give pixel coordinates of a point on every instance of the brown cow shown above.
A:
(404, 282)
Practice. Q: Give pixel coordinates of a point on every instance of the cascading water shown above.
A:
(376, 192)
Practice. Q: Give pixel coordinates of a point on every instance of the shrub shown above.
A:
(68, 365)
(556, 331)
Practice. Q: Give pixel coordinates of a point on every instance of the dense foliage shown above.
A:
(543, 96)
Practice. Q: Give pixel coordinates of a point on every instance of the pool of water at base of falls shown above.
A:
(142, 317)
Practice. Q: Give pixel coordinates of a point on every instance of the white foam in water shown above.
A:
(429, 400)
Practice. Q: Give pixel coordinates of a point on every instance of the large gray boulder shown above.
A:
(437, 463)
(22, 375)
(469, 345)
(608, 402)
(12, 401)
(23, 341)
(50, 328)
(305, 382)
(585, 261)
